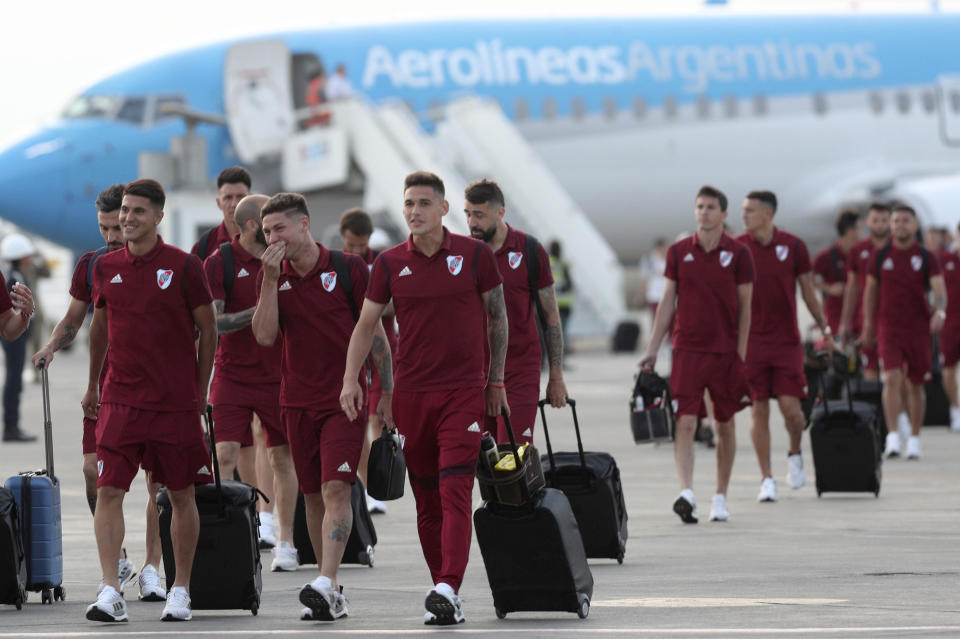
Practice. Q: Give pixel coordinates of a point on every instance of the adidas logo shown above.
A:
(243, 273)
(285, 286)
(117, 279)
(406, 271)
(688, 258)
(344, 468)
(118, 606)
(203, 471)
(888, 264)
(526, 433)
(745, 398)
(473, 428)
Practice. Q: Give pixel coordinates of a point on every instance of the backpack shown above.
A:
(93, 258)
(924, 256)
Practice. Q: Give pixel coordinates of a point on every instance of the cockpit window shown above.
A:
(132, 110)
(107, 107)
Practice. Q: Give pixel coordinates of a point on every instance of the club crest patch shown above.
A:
(725, 258)
(782, 252)
(99, 468)
(164, 278)
(329, 281)
(916, 262)
(514, 259)
(454, 264)
(951, 266)
(864, 254)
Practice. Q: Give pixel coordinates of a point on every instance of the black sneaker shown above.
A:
(686, 509)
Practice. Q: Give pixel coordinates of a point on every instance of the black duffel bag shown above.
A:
(386, 467)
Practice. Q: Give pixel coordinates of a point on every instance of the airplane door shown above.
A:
(257, 95)
(948, 99)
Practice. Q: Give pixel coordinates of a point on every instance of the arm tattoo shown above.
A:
(552, 331)
(380, 354)
(69, 332)
(497, 333)
(232, 322)
(341, 530)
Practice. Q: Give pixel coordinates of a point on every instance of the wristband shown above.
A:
(495, 385)
(827, 331)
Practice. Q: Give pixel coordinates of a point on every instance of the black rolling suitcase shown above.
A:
(13, 560)
(937, 412)
(226, 567)
(533, 553)
(846, 446)
(363, 536)
(625, 337)
(870, 392)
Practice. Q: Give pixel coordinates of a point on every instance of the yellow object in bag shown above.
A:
(507, 462)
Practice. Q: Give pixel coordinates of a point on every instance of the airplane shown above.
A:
(630, 115)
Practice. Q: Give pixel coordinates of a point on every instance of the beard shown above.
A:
(261, 238)
(484, 235)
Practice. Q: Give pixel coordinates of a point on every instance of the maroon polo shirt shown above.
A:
(950, 269)
(316, 324)
(440, 310)
(902, 306)
(219, 235)
(82, 291)
(707, 298)
(523, 347)
(150, 328)
(5, 302)
(830, 265)
(240, 359)
(858, 261)
(389, 322)
(778, 264)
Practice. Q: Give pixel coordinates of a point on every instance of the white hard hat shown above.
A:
(16, 247)
(379, 240)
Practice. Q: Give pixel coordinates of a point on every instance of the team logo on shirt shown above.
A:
(950, 266)
(782, 252)
(454, 264)
(164, 277)
(916, 262)
(725, 258)
(888, 264)
(329, 281)
(99, 467)
(514, 259)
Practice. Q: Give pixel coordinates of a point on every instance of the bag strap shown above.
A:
(202, 244)
(531, 253)
(343, 276)
(229, 276)
(837, 269)
(93, 258)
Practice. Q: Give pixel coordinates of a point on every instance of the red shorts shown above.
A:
(324, 444)
(776, 372)
(950, 346)
(912, 350)
(723, 374)
(233, 412)
(170, 445)
(89, 441)
(522, 396)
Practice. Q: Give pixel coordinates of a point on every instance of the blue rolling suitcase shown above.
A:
(37, 494)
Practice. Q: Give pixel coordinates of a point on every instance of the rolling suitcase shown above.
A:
(937, 412)
(591, 481)
(651, 409)
(13, 561)
(870, 392)
(846, 446)
(37, 494)
(533, 553)
(363, 536)
(625, 337)
(226, 567)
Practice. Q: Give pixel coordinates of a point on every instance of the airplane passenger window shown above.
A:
(639, 107)
(670, 106)
(610, 107)
(731, 106)
(819, 104)
(703, 107)
(903, 102)
(760, 104)
(929, 101)
(578, 108)
(521, 109)
(876, 103)
(549, 108)
(132, 110)
(92, 106)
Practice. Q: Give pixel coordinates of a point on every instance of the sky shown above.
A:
(50, 50)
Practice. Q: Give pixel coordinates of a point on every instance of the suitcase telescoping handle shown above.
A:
(47, 420)
(576, 427)
(208, 418)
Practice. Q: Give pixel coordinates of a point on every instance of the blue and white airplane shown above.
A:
(632, 115)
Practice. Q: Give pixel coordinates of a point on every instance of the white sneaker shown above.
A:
(325, 603)
(718, 508)
(285, 557)
(768, 491)
(444, 607)
(913, 447)
(796, 475)
(150, 586)
(375, 506)
(268, 538)
(109, 606)
(892, 448)
(178, 605)
(903, 426)
(686, 507)
(955, 419)
(125, 571)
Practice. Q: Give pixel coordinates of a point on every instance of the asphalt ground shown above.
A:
(835, 566)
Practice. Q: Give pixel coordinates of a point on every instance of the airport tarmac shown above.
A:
(837, 566)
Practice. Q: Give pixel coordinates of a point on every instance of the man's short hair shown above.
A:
(879, 206)
(357, 221)
(767, 197)
(150, 189)
(425, 178)
(903, 208)
(709, 191)
(847, 220)
(110, 198)
(482, 191)
(234, 175)
(249, 209)
(289, 203)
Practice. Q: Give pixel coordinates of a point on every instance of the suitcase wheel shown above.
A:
(620, 557)
(59, 593)
(584, 608)
(366, 556)
(500, 614)
(254, 608)
(46, 596)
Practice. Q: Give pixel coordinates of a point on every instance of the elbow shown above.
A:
(263, 338)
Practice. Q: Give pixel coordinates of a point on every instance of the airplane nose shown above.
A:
(32, 183)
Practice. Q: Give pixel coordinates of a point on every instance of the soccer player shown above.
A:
(897, 317)
(709, 287)
(443, 287)
(304, 298)
(485, 209)
(830, 269)
(774, 352)
(233, 184)
(149, 299)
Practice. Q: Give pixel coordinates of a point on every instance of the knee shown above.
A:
(110, 495)
(686, 427)
(280, 459)
(182, 498)
(335, 492)
(90, 470)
